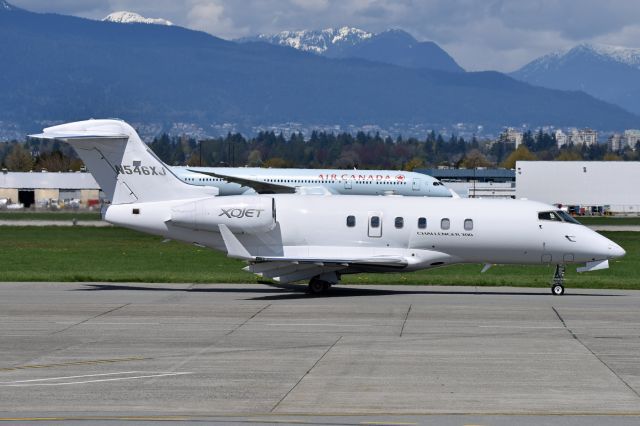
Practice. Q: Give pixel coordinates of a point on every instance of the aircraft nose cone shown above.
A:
(442, 191)
(615, 250)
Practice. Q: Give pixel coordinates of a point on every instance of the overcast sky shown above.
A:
(480, 34)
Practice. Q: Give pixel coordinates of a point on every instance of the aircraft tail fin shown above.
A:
(124, 166)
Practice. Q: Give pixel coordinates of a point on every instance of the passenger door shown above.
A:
(416, 184)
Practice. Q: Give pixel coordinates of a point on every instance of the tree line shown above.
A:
(324, 150)
(364, 150)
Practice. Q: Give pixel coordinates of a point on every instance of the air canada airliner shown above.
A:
(245, 180)
(319, 238)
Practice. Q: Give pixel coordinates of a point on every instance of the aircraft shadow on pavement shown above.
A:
(284, 292)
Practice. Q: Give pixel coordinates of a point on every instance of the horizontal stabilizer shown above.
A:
(78, 135)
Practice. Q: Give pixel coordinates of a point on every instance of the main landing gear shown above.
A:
(318, 287)
(557, 285)
(321, 284)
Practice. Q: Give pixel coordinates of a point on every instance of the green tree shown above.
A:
(19, 159)
(277, 163)
(56, 161)
(475, 158)
(414, 163)
(255, 158)
(610, 156)
(520, 154)
(569, 155)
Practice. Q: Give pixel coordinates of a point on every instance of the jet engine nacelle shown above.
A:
(249, 214)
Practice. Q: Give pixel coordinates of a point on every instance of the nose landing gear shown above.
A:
(557, 285)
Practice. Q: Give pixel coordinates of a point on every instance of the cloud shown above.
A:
(480, 34)
(311, 5)
(211, 16)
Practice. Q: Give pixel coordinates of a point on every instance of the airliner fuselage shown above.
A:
(343, 182)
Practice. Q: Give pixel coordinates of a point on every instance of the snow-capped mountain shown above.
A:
(315, 41)
(626, 55)
(395, 47)
(124, 17)
(554, 60)
(254, 85)
(611, 73)
(6, 6)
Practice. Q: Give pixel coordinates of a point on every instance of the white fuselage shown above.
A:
(497, 231)
(345, 182)
(293, 237)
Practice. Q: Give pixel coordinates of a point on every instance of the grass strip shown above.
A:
(120, 255)
(62, 216)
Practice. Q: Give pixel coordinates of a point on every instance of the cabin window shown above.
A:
(468, 224)
(422, 222)
(351, 221)
(375, 221)
(551, 216)
(445, 223)
(136, 211)
(399, 222)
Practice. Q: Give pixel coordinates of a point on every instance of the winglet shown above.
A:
(235, 248)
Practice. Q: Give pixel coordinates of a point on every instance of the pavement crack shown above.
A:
(405, 320)
(247, 320)
(213, 344)
(305, 374)
(91, 318)
(594, 354)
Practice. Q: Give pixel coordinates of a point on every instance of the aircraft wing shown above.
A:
(288, 269)
(259, 186)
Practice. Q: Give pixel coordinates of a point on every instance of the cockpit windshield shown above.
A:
(567, 217)
(552, 216)
(557, 216)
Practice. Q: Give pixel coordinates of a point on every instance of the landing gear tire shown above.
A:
(557, 285)
(318, 287)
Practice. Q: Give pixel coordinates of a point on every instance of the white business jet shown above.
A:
(294, 237)
(243, 180)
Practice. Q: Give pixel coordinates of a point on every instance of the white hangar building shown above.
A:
(38, 188)
(610, 185)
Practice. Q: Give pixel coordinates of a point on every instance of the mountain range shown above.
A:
(395, 47)
(610, 73)
(62, 68)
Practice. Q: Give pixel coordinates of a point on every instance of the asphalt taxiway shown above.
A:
(391, 354)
